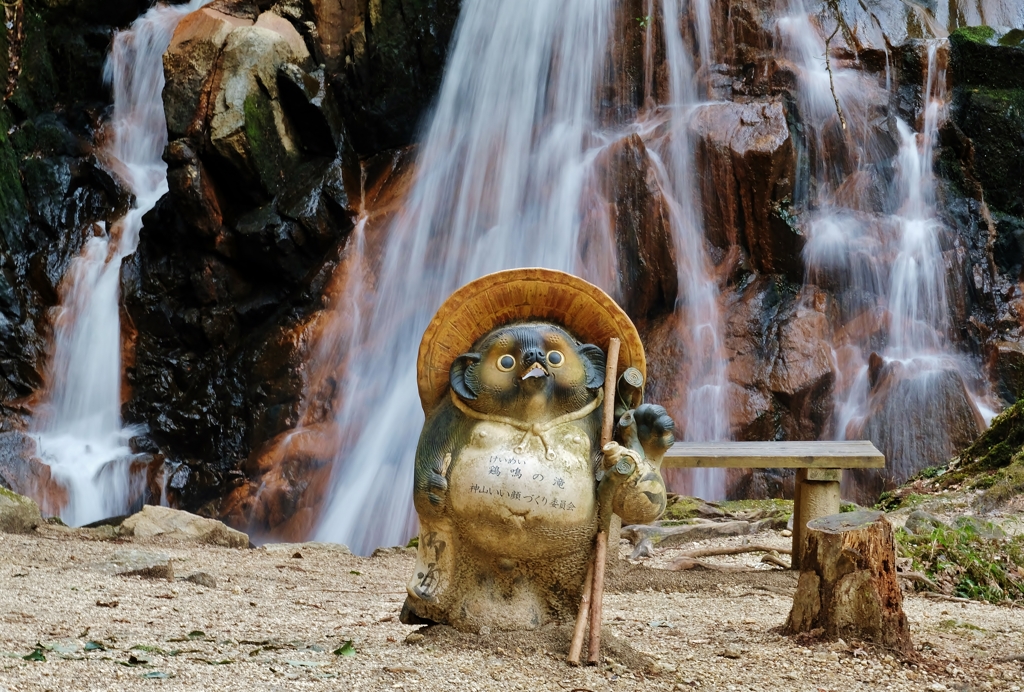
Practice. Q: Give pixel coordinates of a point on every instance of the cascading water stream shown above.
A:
(899, 378)
(706, 412)
(78, 427)
(504, 179)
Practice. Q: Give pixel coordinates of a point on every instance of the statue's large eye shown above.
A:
(555, 358)
(506, 363)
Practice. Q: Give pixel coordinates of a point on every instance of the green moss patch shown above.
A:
(974, 34)
(1005, 484)
(681, 509)
(995, 449)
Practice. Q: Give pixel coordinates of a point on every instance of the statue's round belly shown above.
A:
(520, 498)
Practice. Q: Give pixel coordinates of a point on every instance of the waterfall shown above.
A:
(504, 179)
(78, 427)
(899, 377)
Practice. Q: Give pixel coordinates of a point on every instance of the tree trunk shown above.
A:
(848, 583)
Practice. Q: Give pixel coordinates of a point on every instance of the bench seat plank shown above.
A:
(848, 454)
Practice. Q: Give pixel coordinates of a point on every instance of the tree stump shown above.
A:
(848, 584)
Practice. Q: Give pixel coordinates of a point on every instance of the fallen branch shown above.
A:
(776, 590)
(736, 550)
(685, 563)
(954, 599)
(920, 578)
(775, 560)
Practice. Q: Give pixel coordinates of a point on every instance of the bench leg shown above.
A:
(816, 495)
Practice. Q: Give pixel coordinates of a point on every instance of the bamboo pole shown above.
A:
(582, 617)
(593, 590)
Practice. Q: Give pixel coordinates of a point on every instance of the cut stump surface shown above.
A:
(848, 586)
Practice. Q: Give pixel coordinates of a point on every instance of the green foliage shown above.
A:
(968, 562)
(888, 501)
(644, 21)
(36, 656)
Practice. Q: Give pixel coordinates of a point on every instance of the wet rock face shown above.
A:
(385, 59)
(639, 225)
(53, 189)
(267, 105)
(904, 401)
(749, 163)
(982, 164)
(233, 260)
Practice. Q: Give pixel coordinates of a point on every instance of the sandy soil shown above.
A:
(277, 615)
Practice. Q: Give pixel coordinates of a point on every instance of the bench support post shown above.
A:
(817, 495)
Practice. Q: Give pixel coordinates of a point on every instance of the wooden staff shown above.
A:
(593, 585)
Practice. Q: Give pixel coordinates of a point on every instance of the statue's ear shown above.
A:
(462, 385)
(593, 361)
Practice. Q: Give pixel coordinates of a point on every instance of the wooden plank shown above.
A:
(850, 454)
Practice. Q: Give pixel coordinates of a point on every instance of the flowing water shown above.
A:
(900, 380)
(78, 427)
(505, 175)
(705, 414)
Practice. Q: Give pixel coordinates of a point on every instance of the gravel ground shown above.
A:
(277, 616)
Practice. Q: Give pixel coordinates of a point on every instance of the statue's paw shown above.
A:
(655, 430)
(437, 488)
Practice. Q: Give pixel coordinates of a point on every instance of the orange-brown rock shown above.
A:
(639, 226)
(748, 160)
(803, 374)
(189, 62)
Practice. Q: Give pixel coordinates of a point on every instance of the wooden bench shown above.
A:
(819, 468)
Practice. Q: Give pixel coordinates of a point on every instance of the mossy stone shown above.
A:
(994, 120)
(979, 60)
(18, 514)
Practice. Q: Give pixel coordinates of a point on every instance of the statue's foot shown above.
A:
(410, 617)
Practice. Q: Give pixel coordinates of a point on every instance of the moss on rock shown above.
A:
(979, 60)
(995, 449)
(18, 514)
(975, 34)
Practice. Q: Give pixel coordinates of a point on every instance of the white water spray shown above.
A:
(78, 428)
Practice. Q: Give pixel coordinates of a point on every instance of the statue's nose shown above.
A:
(533, 355)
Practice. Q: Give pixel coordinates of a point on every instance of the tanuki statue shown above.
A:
(510, 375)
